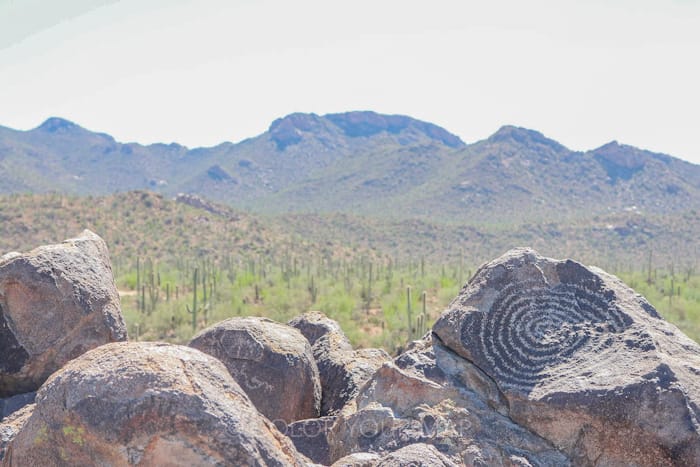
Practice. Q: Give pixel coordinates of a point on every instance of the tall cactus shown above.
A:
(193, 311)
(313, 290)
(408, 313)
(423, 318)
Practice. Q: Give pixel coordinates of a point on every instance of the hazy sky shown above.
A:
(207, 71)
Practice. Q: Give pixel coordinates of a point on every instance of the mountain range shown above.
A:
(362, 163)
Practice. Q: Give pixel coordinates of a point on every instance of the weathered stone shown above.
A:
(415, 401)
(358, 459)
(415, 455)
(581, 359)
(343, 370)
(310, 437)
(10, 426)
(272, 362)
(313, 325)
(56, 302)
(14, 403)
(147, 404)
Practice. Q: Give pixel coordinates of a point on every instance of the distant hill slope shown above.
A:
(362, 163)
(166, 230)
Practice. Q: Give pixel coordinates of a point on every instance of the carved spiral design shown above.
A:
(531, 328)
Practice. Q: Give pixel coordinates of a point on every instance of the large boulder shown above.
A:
(581, 359)
(272, 362)
(56, 302)
(147, 404)
(342, 370)
(413, 400)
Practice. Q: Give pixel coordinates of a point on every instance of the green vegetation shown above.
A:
(675, 295)
(384, 304)
(356, 270)
(368, 298)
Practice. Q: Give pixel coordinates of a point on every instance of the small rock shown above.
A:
(358, 459)
(314, 325)
(416, 455)
(56, 302)
(343, 370)
(147, 404)
(310, 437)
(14, 403)
(10, 426)
(272, 362)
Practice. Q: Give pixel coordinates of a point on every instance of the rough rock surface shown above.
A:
(358, 459)
(272, 362)
(10, 426)
(413, 455)
(14, 403)
(147, 404)
(416, 455)
(314, 325)
(581, 359)
(432, 396)
(310, 437)
(56, 302)
(343, 370)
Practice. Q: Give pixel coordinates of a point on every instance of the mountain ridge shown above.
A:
(360, 162)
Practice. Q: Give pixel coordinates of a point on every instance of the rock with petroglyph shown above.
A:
(342, 369)
(432, 396)
(56, 302)
(272, 362)
(147, 404)
(581, 359)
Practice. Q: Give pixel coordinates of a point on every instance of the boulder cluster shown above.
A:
(537, 362)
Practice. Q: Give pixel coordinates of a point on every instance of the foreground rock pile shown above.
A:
(537, 362)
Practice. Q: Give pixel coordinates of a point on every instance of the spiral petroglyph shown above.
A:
(579, 358)
(532, 327)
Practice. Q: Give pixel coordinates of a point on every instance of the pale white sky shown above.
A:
(202, 72)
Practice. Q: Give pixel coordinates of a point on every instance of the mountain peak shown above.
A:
(368, 123)
(57, 124)
(523, 136)
(289, 130)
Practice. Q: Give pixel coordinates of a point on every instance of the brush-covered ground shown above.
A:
(357, 270)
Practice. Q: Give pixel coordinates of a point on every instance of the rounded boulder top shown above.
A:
(56, 302)
(147, 404)
(271, 361)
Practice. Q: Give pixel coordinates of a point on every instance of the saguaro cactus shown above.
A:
(193, 311)
(408, 313)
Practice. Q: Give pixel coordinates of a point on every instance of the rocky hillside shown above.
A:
(152, 225)
(362, 163)
(537, 362)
